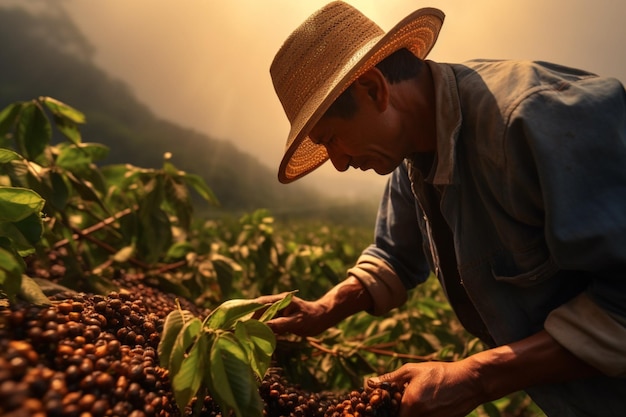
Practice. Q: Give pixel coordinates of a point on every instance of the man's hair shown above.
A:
(399, 66)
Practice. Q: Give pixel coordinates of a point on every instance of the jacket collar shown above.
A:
(448, 122)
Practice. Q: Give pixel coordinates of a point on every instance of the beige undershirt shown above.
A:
(590, 333)
(381, 282)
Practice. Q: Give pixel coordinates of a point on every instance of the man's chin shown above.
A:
(384, 171)
(378, 170)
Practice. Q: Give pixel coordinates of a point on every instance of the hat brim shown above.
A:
(417, 32)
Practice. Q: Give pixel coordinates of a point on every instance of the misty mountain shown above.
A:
(44, 54)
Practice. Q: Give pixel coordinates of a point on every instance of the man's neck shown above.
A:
(422, 118)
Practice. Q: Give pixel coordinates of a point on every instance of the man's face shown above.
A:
(370, 139)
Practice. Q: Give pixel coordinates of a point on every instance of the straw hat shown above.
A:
(323, 56)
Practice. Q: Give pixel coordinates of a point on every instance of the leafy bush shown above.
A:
(57, 202)
(227, 354)
(55, 198)
(20, 229)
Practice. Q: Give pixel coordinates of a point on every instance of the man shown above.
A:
(507, 181)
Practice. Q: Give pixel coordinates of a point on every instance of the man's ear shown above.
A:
(373, 84)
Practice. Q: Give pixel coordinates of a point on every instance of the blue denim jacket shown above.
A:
(530, 174)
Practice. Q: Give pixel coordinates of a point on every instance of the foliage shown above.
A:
(20, 228)
(54, 196)
(56, 202)
(274, 257)
(227, 354)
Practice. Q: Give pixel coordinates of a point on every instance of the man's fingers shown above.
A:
(267, 300)
(270, 299)
(281, 325)
(399, 376)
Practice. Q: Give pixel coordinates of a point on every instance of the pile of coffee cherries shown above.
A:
(91, 355)
(84, 356)
(283, 399)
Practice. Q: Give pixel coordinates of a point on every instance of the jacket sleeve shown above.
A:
(395, 262)
(576, 136)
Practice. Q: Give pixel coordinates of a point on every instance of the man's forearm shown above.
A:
(345, 299)
(536, 360)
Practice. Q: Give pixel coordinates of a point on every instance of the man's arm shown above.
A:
(379, 280)
(309, 318)
(536, 360)
(455, 388)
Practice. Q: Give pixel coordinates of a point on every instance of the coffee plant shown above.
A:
(127, 214)
(223, 354)
(116, 300)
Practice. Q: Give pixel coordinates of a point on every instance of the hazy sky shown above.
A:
(205, 64)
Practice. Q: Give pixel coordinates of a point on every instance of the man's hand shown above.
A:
(432, 389)
(300, 317)
(456, 388)
(310, 318)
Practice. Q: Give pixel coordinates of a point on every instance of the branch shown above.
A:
(323, 348)
(168, 267)
(85, 232)
(109, 248)
(378, 349)
(398, 355)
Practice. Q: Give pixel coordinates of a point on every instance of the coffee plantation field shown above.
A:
(117, 300)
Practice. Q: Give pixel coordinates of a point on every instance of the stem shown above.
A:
(318, 346)
(83, 233)
(378, 349)
(399, 355)
(168, 267)
(110, 248)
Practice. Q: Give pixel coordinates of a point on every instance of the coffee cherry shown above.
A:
(96, 355)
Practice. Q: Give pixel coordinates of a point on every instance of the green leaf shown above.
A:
(8, 117)
(491, 410)
(23, 234)
(177, 197)
(179, 250)
(63, 110)
(224, 316)
(172, 326)
(11, 270)
(78, 157)
(227, 271)
(33, 131)
(18, 203)
(31, 228)
(232, 381)
(259, 341)
(68, 129)
(8, 245)
(117, 174)
(185, 339)
(60, 192)
(189, 378)
(31, 292)
(155, 234)
(198, 184)
(276, 307)
(169, 168)
(7, 155)
(155, 229)
(85, 189)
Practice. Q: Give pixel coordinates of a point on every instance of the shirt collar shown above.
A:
(448, 122)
